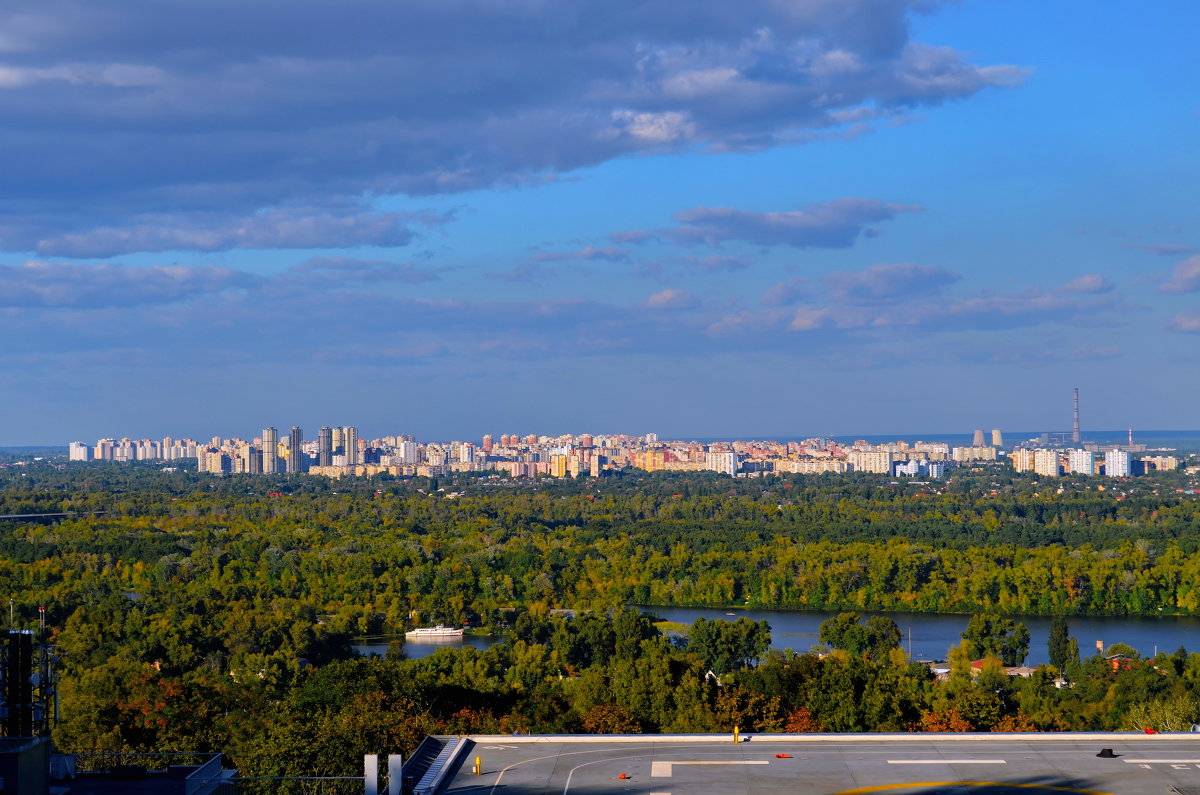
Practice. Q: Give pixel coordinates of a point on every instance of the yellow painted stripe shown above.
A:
(915, 784)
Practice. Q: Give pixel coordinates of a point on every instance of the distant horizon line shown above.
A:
(1147, 433)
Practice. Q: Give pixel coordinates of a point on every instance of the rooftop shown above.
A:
(828, 764)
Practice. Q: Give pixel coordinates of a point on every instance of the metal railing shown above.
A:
(204, 779)
(436, 773)
(103, 761)
(292, 785)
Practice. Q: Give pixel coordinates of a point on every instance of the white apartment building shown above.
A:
(1118, 464)
(1081, 462)
(878, 461)
(724, 462)
(974, 453)
(810, 466)
(406, 452)
(1022, 459)
(1045, 463)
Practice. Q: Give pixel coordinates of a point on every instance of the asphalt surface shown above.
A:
(926, 764)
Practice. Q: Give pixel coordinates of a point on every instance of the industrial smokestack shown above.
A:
(1075, 429)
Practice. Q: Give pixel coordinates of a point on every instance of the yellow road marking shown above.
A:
(915, 784)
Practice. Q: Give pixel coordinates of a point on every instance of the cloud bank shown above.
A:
(231, 112)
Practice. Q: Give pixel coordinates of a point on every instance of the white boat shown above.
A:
(439, 631)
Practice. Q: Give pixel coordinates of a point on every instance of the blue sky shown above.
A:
(453, 218)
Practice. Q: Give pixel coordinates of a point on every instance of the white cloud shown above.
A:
(832, 224)
(1185, 278)
(887, 282)
(57, 284)
(1088, 284)
(275, 228)
(671, 299)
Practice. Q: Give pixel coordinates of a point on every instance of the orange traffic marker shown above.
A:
(623, 776)
(783, 756)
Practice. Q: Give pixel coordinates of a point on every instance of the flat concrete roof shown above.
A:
(830, 764)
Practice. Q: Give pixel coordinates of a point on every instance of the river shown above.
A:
(932, 634)
(416, 649)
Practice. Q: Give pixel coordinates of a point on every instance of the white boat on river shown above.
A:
(439, 631)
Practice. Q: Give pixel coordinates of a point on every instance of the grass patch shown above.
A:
(480, 631)
(671, 626)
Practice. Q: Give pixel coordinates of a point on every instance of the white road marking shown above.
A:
(1162, 761)
(661, 769)
(947, 762)
(499, 747)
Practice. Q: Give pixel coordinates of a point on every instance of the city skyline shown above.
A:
(341, 452)
(863, 216)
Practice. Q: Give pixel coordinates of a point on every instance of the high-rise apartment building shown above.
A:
(350, 437)
(964, 454)
(79, 451)
(213, 461)
(1081, 462)
(338, 440)
(325, 446)
(1045, 463)
(1022, 459)
(295, 460)
(465, 452)
(253, 460)
(653, 460)
(270, 451)
(558, 466)
(1118, 464)
(407, 452)
(724, 462)
(878, 461)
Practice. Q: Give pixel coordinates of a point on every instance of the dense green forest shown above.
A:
(198, 612)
